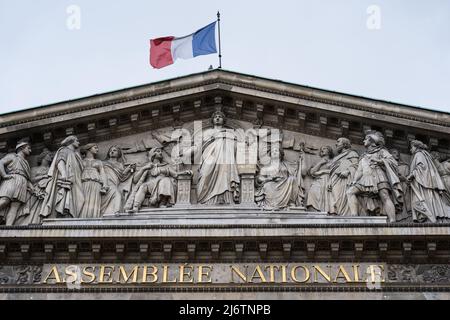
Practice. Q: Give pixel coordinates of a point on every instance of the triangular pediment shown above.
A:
(262, 102)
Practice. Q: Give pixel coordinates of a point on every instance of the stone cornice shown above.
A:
(228, 81)
(224, 231)
(226, 243)
(128, 289)
(336, 98)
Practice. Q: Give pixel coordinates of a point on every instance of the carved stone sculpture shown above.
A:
(428, 201)
(119, 179)
(65, 197)
(156, 180)
(403, 214)
(15, 182)
(318, 198)
(378, 183)
(445, 173)
(342, 169)
(218, 177)
(443, 168)
(94, 182)
(277, 183)
(40, 180)
(376, 179)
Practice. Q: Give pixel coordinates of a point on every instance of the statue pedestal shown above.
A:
(248, 190)
(247, 176)
(195, 215)
(184, 190)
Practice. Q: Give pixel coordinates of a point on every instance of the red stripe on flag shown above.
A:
(160, 53)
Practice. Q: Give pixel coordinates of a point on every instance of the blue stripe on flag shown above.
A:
(204, 40)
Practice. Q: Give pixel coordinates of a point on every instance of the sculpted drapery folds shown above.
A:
(445, 173)
(40, 180)
(118, 179)
(15, 182)
(277, 183)
(319, 199)
(94, 182)
(218, 180)
(378, 183)
(342, 168)
(443, 168)
(155, 180)
(65, 195)
(428, 192)
(376, 179)
(403, 171)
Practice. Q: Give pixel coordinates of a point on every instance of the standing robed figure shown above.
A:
(65, 190)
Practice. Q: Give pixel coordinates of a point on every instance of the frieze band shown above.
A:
(73, 183)
(373, 275)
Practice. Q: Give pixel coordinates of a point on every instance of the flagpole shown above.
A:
(220, 51)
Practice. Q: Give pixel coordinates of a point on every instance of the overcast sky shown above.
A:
(396, 50)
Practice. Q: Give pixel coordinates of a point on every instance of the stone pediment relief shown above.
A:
(225, 164)
(273, 148)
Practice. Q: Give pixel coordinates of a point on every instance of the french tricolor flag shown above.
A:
(164, 51)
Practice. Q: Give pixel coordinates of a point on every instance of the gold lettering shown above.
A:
(283, 274)
(207, 274)
(294, 274)
(166, 275)
(356, 272)
(272, 271)
(317, 270)
(259, 276)
(56, 276)
(184, 273)
(235, 269)
(154, 274)
(71, 273)
(123, 274)
(376, 273)
(382, 273)
(344, 275)
(89, 274)
(104, 273)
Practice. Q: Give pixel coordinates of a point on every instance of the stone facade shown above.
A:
(221, 168)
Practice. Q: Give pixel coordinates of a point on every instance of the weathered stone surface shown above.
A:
(221, 167)
(199, 215)
(231, 296)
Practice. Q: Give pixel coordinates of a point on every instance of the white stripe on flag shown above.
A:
(182, 48)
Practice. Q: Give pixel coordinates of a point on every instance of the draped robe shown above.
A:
(64, 197)
(427, 189)
(218, 173)
(119, 184)
(347, 160)
(281, 192)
